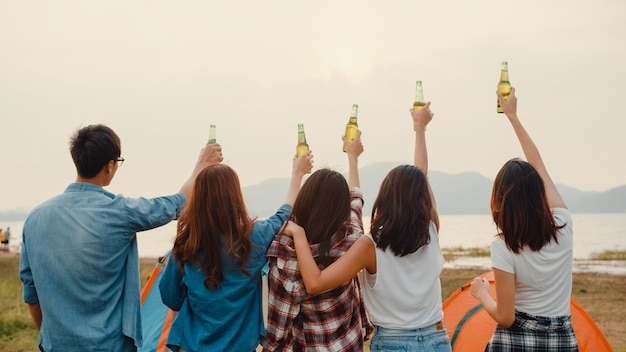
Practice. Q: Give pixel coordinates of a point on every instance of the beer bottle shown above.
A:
(419, 96)
(212, 138)
(302, 146)
(504, 86)
(352, 128)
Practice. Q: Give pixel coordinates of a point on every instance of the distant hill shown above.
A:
(465, 193)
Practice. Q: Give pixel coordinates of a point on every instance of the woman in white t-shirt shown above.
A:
(401, 257)
(531, 256)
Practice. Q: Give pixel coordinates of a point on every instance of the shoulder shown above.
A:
(562, 216)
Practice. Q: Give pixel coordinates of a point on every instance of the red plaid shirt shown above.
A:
(330, 321)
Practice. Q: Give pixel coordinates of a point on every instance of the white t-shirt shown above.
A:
(405, 292)
(543, 279)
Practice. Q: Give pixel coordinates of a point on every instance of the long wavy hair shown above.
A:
(215, 217)
(520, 208)
(322, 208)
(402, 211)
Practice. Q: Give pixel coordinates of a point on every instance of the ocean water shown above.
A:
(593, 233)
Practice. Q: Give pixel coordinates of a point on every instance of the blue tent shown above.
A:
(156, 317)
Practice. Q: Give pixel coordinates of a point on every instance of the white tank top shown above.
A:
(405, 292)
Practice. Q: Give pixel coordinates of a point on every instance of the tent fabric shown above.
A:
(156, 317)
(470, 327)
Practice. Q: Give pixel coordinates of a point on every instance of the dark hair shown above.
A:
(215, 214)
(520, 208)
(402, 211)
(322, 208)
(92, 147)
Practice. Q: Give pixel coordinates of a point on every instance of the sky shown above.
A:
(160, 72)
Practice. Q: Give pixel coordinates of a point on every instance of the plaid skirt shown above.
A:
(535, 333)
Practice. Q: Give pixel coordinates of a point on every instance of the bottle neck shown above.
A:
(301, 138)
(504, 76)
(419, 93)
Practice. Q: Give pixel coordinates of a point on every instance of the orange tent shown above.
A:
(470, 327)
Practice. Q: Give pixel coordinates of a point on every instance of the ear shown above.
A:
(109, 167)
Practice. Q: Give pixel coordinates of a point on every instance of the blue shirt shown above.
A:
(229, 319)
(79, 262)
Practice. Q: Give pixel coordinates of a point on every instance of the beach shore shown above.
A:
(602, 295)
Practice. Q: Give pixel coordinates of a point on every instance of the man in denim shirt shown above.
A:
(79, 265)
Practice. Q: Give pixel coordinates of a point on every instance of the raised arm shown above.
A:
(354, 149)
(209, 155)
(361, 255)
(421, 119)
(301, 166)
(531, 152)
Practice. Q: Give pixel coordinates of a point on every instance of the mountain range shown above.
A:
(464, 193)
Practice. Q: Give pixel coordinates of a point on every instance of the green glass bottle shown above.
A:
(212, 138)
(504, 86)
(419, 96)
(352, 127)
(419, 101)
(302, 146)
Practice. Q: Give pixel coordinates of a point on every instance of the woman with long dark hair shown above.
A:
(531, 256)
(330, 209)
(213, 278)
(401, 257)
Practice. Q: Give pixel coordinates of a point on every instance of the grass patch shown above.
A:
(452, 253)
(609, 255)
(602, 295)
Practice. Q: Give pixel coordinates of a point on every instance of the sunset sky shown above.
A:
(160, 72)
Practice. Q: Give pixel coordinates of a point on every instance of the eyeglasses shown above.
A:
(120, 161)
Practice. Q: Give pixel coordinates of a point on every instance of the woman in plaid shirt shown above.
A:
(401, 255)
(330, 209)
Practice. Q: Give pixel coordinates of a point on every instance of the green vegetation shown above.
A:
(451, 253)
(609, 255)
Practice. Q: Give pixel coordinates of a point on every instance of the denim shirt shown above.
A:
(79, 261)
(228, 319)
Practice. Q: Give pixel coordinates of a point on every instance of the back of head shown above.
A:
(322, 208)
(92, 147)
(215, 215)
(401, 213)
(519, 207)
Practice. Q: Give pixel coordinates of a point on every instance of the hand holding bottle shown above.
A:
(353, 147)
(508, 105)
(303, 164)
(421, 117)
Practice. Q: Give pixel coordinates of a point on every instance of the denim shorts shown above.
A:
(432, 338)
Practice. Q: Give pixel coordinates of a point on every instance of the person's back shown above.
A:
(229, 318)
(82, 250)
(531, 255)
(329, 321)
(331, 209)
(79, 263)
(402, 297)
(543, 279)
(214, 279)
